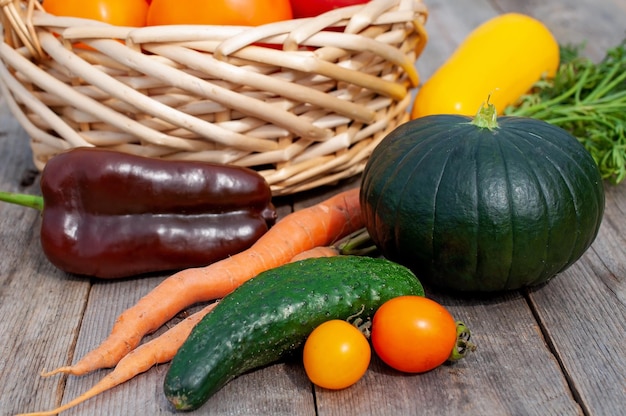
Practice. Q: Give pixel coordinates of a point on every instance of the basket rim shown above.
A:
(370, 73)
(24, 15)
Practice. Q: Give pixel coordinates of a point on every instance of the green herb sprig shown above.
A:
(587, 99)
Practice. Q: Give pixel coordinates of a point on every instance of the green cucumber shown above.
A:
(272, 314)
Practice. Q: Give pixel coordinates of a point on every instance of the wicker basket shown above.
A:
(303, 101)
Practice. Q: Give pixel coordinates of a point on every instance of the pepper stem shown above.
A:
(31, 201)
(463, 344)
(487, 116)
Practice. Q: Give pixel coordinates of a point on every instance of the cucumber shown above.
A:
(271, 315)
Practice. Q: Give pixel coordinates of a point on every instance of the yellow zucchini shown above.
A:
(500, 60)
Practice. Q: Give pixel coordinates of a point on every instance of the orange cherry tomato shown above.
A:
(218, 12)
(413, 334)
(336, 355)
(116, 12)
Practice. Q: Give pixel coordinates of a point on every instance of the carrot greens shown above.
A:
(588, 99)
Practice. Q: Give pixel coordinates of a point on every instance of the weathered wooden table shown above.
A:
(556, 350)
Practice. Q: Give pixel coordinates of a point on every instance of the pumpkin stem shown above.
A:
(487, 116)
(463, 344)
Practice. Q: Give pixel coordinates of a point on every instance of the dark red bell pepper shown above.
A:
(109, 214)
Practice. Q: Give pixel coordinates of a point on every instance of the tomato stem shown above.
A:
(463, 344)
(364, 326)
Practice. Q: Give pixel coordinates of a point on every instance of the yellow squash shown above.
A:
(501, 59)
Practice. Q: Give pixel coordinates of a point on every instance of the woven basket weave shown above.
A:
(302, 101)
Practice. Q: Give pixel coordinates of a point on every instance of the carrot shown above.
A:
(320, 251)
(160, 349)
(318, 225)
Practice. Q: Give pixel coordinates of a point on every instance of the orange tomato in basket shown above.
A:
(116, 12)
(218, 12)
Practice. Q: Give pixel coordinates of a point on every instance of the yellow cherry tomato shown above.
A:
(336, 355)
(500, 60)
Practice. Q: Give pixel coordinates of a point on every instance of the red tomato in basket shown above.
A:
(311, 8)
(218, 12)
(116, 12)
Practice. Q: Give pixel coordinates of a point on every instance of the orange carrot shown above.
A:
(319, 225)
(320, 251)
(160, 349)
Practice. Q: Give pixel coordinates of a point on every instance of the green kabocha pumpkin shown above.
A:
(482, 204)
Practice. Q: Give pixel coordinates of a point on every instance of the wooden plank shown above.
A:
(583, 312)
(144, 394)
(598, 25)
(511, 373)
(106, 301)
(40, 307)
(447, 25)
(608, 247)
(280, 389)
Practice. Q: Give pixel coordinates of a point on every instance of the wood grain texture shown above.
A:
(582, 312)
(40, 307)
(553, 350)
(598, 25)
